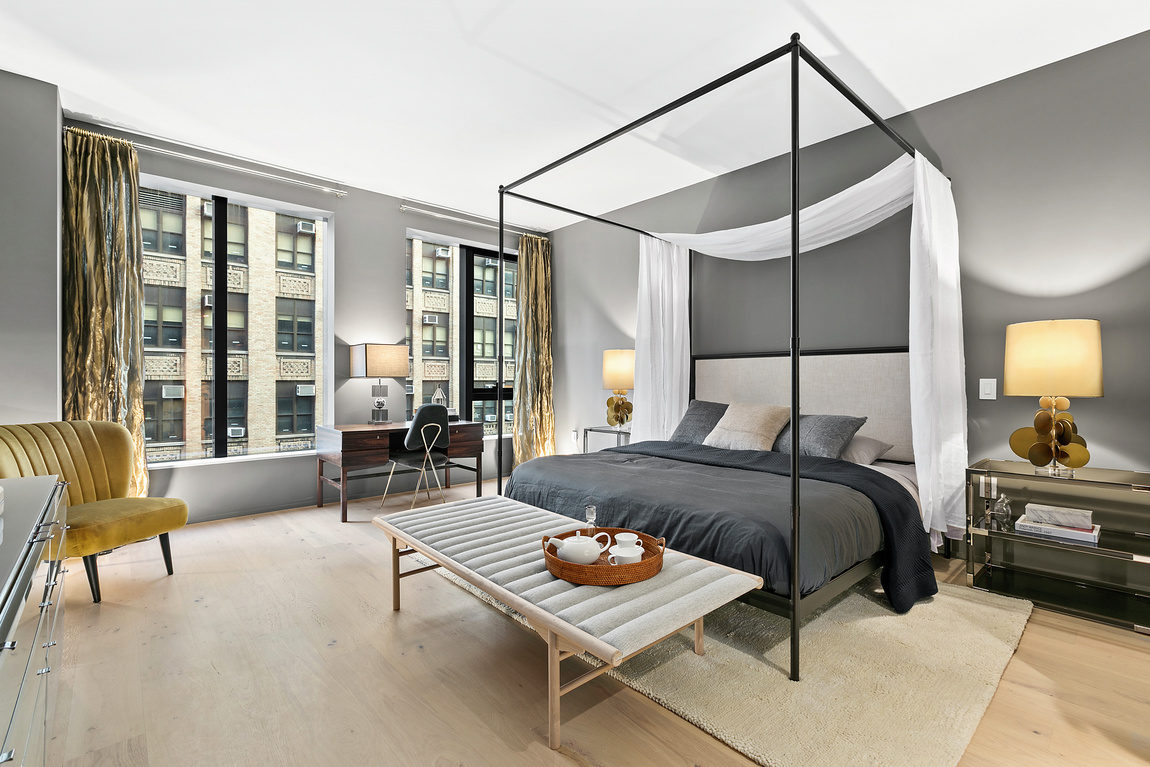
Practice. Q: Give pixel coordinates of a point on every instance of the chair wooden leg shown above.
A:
(93, 576)
(166, 547)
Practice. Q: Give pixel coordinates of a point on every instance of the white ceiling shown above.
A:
(443, 100)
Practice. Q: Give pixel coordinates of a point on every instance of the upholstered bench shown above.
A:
(495, 544)
(95, 459)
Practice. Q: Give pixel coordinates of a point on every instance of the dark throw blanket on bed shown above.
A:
(707, 501)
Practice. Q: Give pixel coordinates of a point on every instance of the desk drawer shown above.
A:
(364, 440)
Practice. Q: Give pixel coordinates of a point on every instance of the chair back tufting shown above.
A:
(94, 457)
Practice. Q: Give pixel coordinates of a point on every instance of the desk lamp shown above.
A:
(379, 361)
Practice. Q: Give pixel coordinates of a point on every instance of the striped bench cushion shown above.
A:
(500, 539)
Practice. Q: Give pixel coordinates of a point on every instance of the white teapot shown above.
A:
(580, 549)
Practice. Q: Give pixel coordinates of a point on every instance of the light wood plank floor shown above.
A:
(275, 643)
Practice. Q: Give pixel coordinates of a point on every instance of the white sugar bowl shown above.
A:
(580, 549)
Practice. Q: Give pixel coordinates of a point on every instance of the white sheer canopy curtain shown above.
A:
(662, 339)
(937, 370)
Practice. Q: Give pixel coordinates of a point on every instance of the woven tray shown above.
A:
(602, 573)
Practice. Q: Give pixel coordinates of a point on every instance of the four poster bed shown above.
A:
(742, 507)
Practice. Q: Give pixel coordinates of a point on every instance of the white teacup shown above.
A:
(625, 556)
(627, 540)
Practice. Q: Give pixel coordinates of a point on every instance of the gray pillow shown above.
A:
(825, 436)
(698, 421)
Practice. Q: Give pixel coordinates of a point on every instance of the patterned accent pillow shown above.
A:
(700, 418)
(748, 427)
(825, 436)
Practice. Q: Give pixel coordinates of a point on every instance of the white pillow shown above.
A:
(749, 427)
(865, 450)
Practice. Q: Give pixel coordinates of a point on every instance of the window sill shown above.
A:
(193, 462)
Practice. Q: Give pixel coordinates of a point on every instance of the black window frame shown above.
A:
(237, 412)
(470, 393)
(237, 334)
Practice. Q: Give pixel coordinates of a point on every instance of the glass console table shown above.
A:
(1108, 581)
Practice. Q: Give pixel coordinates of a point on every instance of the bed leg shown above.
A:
(553, 689)
(699, 637)
(394, 573)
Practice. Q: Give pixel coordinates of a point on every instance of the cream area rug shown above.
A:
(877, 688)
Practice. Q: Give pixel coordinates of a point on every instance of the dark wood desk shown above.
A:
(362, 446)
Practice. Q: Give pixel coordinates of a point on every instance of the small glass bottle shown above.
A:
(590, 510)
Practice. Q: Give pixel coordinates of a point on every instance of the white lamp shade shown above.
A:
(1061, 358)
(619, 369)
(379, 361)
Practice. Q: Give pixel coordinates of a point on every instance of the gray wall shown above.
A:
(1051, 173)
(30, 149)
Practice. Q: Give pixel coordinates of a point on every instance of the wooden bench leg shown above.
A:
(553, 659)
(699, 637)
(394, 573)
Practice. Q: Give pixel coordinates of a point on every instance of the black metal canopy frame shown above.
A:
(796, 50)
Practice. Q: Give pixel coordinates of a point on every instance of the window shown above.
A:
(481, 308)
(295, 412)
(486, 273)
(237, 321)
(237, 232)
(408, 263)
(295, 243)
(436, 266)
(295, 325)
(237, 415)
(269, 325)
(162, 221)
(435, 334)
(164, 411)
(163, 316)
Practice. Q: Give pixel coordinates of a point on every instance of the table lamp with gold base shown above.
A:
(619, 376)
(1053, 360)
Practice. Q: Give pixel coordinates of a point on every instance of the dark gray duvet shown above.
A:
(733, 507)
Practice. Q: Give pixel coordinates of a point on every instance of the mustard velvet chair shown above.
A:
(95, 458)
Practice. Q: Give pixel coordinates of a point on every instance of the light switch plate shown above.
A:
(988, 388)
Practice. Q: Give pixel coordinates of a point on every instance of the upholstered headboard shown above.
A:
(874, 384)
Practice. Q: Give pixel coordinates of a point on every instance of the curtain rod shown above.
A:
(436, 214)
(218, 163)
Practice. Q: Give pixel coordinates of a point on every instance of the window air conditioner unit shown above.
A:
(442, 252)
(491, 262)
(208, 301)
(490, 418)
(508, 416)
(410, 389)
(430, 319)
(236, 431)
(207, 207)
(172, 392)
(305, 390)
(305, 227)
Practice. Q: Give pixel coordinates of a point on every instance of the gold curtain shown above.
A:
(103, 288)
(534, 430)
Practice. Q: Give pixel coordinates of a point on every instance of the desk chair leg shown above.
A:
(93, 576)
(166, 547)
(390, 474)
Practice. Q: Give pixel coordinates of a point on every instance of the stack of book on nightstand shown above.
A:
(1058, 522)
